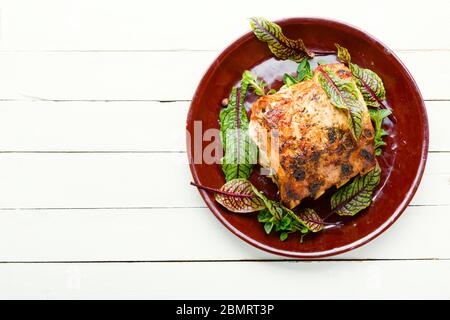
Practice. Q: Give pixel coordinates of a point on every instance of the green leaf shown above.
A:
(275, 208)
(281, 46)
(356, 195)
(240, 153)
(284, 236)
(284, 223)
(233, 114)
(239, 204)
(264, 216)
(377, 116)
(368, 82)
(289, 80)
(304, 71)
(311, 219)
(344, 95)
(258, 85)
(268, 226)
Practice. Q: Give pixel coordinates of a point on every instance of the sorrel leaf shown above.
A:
(343, 54)
(370, 85)
(281, 46)
(356, 195)
(344, 95)
(368, 82)
(311, 219)
(239, 151)
(239, 204)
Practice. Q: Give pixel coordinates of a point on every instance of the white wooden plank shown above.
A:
(420, 67)
(153, 75)
(93, 126)
(71, 180)
(127, 126)
(102, 75)
(96, 180)
(186, 234)
(215, 280)
(143, 25)
(439, 130)
(435, 185)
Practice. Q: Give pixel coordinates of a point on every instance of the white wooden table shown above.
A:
(95, 199)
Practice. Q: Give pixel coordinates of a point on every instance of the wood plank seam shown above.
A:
(155, 208)
(220, 261)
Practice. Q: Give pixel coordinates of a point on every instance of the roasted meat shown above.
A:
(306, 142)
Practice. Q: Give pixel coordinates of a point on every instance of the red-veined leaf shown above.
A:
(239, 204)
(281, 46)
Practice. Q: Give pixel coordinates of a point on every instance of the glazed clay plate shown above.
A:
(402, 161)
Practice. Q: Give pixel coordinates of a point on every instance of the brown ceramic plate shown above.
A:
(403, 160)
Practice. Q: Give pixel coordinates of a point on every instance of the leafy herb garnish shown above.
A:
(258, 85)
(377, 116)
(239, 204)
(285, 220)
(343, 94)
(303, 73)
(281, 46)
(368, 82)
(239, 151)
(357, 195)
(240, 196)
(289, 80)
(279, 217)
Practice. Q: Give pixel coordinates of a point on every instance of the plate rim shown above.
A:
(372, 235)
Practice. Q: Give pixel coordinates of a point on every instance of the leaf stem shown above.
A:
(325, 223)
(323, 52)
(331, 213)
(312, 220)
(225, 193)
